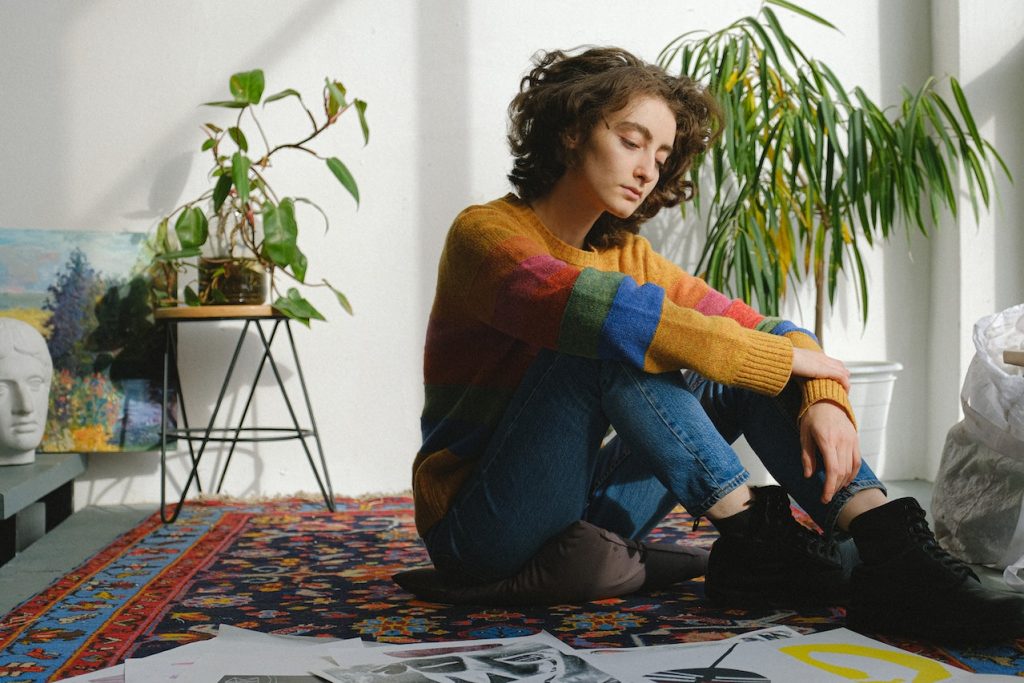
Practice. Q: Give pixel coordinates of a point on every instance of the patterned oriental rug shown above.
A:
(290, 567)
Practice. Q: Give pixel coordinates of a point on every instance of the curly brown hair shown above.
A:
(565, 95)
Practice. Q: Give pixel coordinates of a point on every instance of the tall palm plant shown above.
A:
(807, 171)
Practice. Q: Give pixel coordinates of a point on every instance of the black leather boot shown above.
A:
(909, 586)
(765, 558)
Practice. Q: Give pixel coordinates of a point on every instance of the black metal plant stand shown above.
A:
(252, 317)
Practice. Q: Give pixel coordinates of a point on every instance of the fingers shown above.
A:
(838, 371)
(841, 465)
(844, 376)
(837, 475)
(826, 432)
(815, 364)
(807, 453)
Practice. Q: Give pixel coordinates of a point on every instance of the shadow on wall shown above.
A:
(997, 99)
(167, 180)
(33, 124)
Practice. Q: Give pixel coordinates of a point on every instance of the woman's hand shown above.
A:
(825, 429)
(816, 365)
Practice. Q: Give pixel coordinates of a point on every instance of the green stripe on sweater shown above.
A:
(477, 405)
(585, 313)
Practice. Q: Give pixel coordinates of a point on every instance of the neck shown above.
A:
(565, 215)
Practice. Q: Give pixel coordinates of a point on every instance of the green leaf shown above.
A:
(336, 97)
(280, 232)
(342, 299)
(299, 265)
(344, 176)
(965, 112)
(240, 176)
(999, 159)
(162, 241)
(208, 144)
(766, 44)
(327, 223)
(191, 298)
(191, 227)
(297, 308)
(179, 254)
(802, 12)
(361, 111)
(239, 137)
(837, 86)
(776, 27)
(230, 104)
(289, 92)
(247, 86)
(220, 191)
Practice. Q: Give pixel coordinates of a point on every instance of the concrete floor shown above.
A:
(92, 528)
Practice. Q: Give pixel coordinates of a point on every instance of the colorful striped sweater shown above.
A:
(507, 287)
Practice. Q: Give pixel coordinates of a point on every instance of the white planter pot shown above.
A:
(871, 386)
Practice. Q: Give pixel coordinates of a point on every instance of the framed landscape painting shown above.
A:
(88, 295)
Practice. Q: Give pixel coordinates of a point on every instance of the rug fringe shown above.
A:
(311, 496)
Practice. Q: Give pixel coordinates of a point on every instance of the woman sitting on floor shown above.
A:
(553, 321)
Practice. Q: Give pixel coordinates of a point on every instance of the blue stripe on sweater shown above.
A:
(781, 327)
(631, 322)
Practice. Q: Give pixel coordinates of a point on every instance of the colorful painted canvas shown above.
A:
(87, 293)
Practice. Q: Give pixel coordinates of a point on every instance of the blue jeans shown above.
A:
(547, 464)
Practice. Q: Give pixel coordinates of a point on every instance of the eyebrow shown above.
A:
(643, 130)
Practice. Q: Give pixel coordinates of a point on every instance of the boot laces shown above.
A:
(779, 519)
(810, 542)
(920, 532)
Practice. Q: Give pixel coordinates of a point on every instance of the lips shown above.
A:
(633, 193)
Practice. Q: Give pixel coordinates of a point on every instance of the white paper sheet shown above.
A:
(113, 674)
(540, 657)
(777, 654)
(836, 655)
(234, 651)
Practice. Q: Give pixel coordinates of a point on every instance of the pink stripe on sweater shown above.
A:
(713, 303)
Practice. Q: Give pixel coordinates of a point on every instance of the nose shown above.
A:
(647, 170)
(23, 403)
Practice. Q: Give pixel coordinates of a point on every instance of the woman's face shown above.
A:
(620, 163)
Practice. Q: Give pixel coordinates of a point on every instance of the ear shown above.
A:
(571, 139)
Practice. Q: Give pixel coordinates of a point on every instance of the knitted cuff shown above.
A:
(815, 390)
(768, 364)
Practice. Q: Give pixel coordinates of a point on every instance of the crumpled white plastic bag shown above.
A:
(978, 498)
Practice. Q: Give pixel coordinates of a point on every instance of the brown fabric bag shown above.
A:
(582, 563)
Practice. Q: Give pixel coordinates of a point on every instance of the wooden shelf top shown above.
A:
(1013, 357)
(226, 312)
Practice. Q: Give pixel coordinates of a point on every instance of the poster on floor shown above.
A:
(540, 657)
(88, 295)
(835, 655)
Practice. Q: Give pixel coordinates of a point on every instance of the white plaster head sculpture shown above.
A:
(25, 373)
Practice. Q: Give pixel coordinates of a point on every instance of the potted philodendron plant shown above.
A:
(239, 229)
(808, 171)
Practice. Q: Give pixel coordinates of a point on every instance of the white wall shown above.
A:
(977, 263)
(99, 123)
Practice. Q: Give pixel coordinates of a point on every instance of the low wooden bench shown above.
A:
(49, 480)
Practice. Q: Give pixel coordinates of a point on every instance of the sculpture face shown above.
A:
(24, 391)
